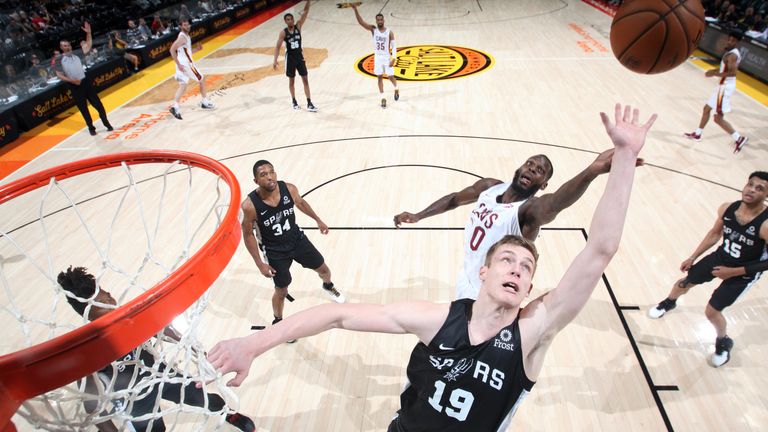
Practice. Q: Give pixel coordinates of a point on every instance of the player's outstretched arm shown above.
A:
(549, 313)
(305, 208)
(545, 209)
(449, 202)
(88, 39)
(422, 319)
(303, 16)
(360, 20)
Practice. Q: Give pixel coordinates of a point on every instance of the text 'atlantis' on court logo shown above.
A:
(432, 62)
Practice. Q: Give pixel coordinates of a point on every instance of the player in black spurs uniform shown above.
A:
(476, 359)
(739, 260)
(269, 210)
(294, 57)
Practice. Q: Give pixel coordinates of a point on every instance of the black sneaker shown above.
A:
(397, 94)
(242, 422)
(335, 294)
(383, 102)
(109, 127)
(277, 320)
(660, 309)
(296, 105)
(92, 130)
(723, 347)
(311, 107)
(176, 113)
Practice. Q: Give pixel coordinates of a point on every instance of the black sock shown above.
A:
(309, 101)
(277, 320)
(328, 285)
(673, 301)
(294, 100)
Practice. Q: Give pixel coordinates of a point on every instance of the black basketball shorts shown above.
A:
(293, 64)
(303, 253)
(729, 290)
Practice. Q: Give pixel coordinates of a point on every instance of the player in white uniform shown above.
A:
(384, 52)
(181, 51)
(720, 100)
(508, 208)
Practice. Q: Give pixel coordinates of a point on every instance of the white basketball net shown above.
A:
(130, 226)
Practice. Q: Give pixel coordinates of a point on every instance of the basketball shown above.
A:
(654, 36)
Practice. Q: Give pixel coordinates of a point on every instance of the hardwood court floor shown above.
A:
(613, 368)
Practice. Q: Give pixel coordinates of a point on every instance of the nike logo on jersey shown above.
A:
(445, 348)
(264, 212)
(726, 218)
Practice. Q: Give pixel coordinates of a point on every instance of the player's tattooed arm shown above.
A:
(449, 202)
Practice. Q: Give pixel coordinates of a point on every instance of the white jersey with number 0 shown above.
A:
(488, 223)
(381, 42)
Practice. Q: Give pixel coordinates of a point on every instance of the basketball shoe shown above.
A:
(693, 136)
(740, 143)
(176, 113)
(335, 294)
(663, 307)
(397, 94)
(206, 104)
(311, 107)
(723, 347)
(383, 102)
(242, 422)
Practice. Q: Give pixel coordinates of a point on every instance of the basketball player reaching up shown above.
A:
(739, 261)
(269, 210)
(720, 100)
(294, 56)
(508, 208)
(123, 374)
(384, 52)
(181, 51)
(476, 359)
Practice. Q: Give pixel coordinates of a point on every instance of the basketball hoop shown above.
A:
(54, 363)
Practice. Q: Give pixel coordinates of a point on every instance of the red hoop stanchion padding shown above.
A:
(62, 360)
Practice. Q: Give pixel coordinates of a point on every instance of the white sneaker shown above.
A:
(722, 352)
(207, 105)
(335, 294)
(660, 309)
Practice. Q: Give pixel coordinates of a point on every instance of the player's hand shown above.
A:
(686, 265)
(232, 356)
(76, 81)
(267, 270)
(627, 132)
(710, 73)
(724, 273)
(405, 217)
(323, 227)
(86, 27)
(274, 65)
(602, 164)
(182, 68)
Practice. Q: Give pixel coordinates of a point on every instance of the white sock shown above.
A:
(735, 136)
(176, 105)
(699, 131)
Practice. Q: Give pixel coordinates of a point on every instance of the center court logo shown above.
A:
(432, 62)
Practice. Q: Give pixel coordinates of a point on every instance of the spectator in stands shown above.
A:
(746, 21)
(133, 34)
(184, 14)
(119, 45)
(729, 15)
(69, 68)
(38, 21)
(157, 24)
(37, 70)
(759, 25)
(146, 33)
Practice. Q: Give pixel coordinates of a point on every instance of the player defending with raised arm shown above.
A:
(508, 208)
(294, 56)
(476, 358)
(384, 52)
(181, 51)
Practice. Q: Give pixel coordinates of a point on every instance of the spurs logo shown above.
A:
(460, 369)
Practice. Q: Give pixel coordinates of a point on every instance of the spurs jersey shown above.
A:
(381, 43)
(277, 225)
(742, 243)
(488, 223)
(293, 42)
(123, 374)
(454, 386)
(723, 66)
(184, 52)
